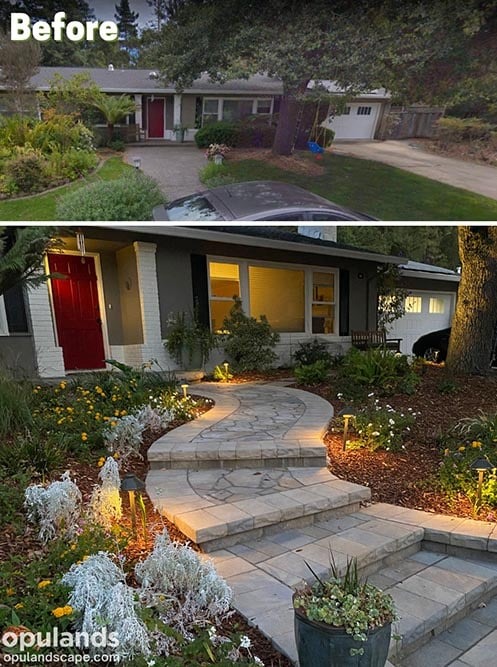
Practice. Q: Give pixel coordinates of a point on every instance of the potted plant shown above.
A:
(217, 152)
(188, 341)
(342, 622)
(180, 131)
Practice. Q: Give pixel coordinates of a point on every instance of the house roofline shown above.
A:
(431, 275)
(261, 242)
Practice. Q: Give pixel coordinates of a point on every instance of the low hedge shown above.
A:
(244, 134)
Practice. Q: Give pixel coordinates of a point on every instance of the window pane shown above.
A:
(323, 316)
(219, 310)
(323, 287)
(413, 304)
(211, 106)
(279, 295)
(225, 280)
(437, 306)
(263, 106)
(236, 109)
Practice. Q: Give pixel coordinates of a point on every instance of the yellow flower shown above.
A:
(476, 444)
(44, 583)
(123, 412)
(446, 452)
(101, 461)
(73, 547)
(10, 592)
(115, 456)
(68, 609)
(113, 423)
(63, 385)
(19, 605)
(461, 449)
(58, 612)
(116, 413)
(84, 437)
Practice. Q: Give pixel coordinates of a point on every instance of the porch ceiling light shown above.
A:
(348, 412)
(131, 484)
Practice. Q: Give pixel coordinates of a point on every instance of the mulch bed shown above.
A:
(409, 478)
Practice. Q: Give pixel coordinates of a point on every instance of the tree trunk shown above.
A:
(284, 138)
(472, 338)
(110, 131)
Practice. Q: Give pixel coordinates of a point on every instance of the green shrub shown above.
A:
(72, 164)
(309, 352)
(15, 131)
(457, 130)
(249, 342)
(381, 428)
(213, 175)
(117, 145)
(222, 132)
(12, 487)
(60, 132)
(315, 373)
(131, 197)
(25, 171)
(15, 413)
(375, 370)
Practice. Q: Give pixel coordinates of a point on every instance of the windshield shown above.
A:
(197, 207)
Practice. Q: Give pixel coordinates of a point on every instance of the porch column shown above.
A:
(139, 114)
(49, 357)
(177, 111)
(152, 347)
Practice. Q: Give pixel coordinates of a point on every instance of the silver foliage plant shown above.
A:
(102, 598)
(186, 590)
(105, 506)
(55, 509)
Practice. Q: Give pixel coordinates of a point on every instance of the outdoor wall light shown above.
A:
(348, 412)
(131, 484)
(185, 390)
(137, 162)
(481, 465)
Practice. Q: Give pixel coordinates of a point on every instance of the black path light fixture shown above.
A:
(481, 465)
(132, 484)
(348, 413)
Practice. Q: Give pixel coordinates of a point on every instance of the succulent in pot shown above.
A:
(342, 621)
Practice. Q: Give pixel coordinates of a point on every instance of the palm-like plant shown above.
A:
(114, 108)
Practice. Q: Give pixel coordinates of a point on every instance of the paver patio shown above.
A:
(248, 482)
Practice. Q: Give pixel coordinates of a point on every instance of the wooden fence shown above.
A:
(407, 122)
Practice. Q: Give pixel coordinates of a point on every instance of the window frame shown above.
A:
(309, 270)
(324, 303)
(220, 105)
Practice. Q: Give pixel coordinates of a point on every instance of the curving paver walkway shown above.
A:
(248, 482)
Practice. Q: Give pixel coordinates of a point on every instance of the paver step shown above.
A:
(431, 592)
(222, 507)
(264, 573)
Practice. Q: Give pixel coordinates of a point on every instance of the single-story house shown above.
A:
(117, 297)
(160, 108)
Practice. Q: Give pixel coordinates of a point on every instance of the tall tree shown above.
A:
(361, 45)
(127, 21)
(160, 11)
(472, 339)
(19, 62)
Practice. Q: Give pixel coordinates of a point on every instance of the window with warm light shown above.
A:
(436, 306)
(279, 294)
(323, 302)
(224, 284)
(413, 304)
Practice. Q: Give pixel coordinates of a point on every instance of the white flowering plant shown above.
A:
(217, 149)
(55, 508)
(105, 507)
(381, 427)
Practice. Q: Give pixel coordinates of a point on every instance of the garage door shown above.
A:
(358, 121)
(425, 312)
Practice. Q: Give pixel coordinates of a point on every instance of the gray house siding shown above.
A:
(17, 355)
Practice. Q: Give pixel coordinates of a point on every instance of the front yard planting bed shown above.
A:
(98, 429)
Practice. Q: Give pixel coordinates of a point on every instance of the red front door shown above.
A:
(156, 119)
(77, 313)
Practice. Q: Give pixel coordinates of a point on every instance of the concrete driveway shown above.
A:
(406, 155)
(174, 167)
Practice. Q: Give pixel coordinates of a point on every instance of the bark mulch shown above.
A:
(409, 478)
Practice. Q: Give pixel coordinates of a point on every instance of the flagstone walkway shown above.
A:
(248, 482)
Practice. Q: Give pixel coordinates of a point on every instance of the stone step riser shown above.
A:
(206, 464)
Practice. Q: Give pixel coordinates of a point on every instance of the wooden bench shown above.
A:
(367, 340)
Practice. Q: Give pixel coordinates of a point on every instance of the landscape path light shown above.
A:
(137, 162)
(226, 371)
(132, 484)
(185, 390)
(481, 465)
(348, 413)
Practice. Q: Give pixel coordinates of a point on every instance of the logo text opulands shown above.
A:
(55, 639)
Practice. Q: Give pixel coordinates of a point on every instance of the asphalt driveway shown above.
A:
(406, 155)
(174, 167)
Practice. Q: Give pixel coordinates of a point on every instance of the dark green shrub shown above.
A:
(315, 373)
(131, 197)
(26, 171)
(72, 164)
(309, 352)
(249, 343)
(375, 370)
(117, 145)
(222, 132)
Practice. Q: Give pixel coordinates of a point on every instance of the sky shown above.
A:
(105, 9)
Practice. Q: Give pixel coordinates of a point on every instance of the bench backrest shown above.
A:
(368, 337)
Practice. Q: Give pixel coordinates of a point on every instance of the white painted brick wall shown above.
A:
(49, 358)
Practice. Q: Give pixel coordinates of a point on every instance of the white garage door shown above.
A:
(425, 312)
(358, 121)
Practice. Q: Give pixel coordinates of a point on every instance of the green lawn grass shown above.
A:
(42, 207)
(385, 192)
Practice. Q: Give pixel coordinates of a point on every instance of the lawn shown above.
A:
(385, 192)
(42, 207)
